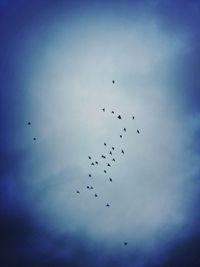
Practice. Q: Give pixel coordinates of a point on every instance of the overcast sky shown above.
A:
(58, 61)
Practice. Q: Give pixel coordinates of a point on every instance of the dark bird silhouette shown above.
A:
(110, 179)
(96, 162)
(124, 129)
(103, 109)
(95, 195)
(90, 175)
(92, 163)
(113, 81)
(107, 205)
(113, 148)
(29, 123)
(78, 192)
(122, 151)
(108, 165)
(88, 187)
(138, 131)
(125, 243)
(89, 157)
(120, 136)
(34, 138)
(112, 112)
(104, 144)
(119, 117)
(104, 171)
(103, 156)
(113, 159)
(91, 187)
(133, 117)
(110, 152)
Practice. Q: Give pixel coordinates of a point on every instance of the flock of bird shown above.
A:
(109, 158)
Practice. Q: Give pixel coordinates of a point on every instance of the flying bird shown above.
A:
(29, 123)
(110, 179)
(138, 131)
(113, 148)
(108, 165)
(34, 138)
(96, 162)
(89, 157)
(104, 171)
(107, 205)
(120, 136)
(103, 156)
(122, 151)
(113, 81)
(110, 152)
(119, 117)
(112, 112)
(104, 144)
(133, 117)
(88, 187)
(91, 187)
(113, 159)
(95, 195)
(90, 175)
(125, 243)
(78, 192)
(124, 129)
(103, 109)
(92, 163)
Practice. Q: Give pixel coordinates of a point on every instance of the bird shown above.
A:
(119, 117)
(92, 163)
(113, 159)
(113, 81)
(122, 151)
(96, 162)
(103, 109)
(91, 187)
(29, 123)
(34, 138)
(110, 179)
(103, 156)
(108, 165)
(110, 152)
(88, 187)
(112, 112)
(120, 136)
(133, 117)
(125, 243)
(90, 175)
(78, 192)
(95, 195)
(107, 205)
(113, 148)
(89, 157)
(104, 144)
(138, 131)
(124, 129)
(104, 171)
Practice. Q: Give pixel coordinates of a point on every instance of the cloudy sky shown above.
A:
(58, 61)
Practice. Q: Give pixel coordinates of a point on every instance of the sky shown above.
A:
(58, 61)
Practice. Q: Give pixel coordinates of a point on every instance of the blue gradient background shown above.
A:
(58, 59)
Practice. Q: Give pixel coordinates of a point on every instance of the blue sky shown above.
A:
(58, 60)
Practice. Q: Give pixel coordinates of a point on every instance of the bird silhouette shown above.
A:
(88, 187)
(124, 129)
(133, 117)
(29, 123)
(120, 136)
(108, 165)
(34, 138)
(92, 163)
(113, 148)
(78, 192)
(122, 151)
(138, 131)
(89, 157)
(103, 156)
(112, 112)
(103, 109)
(95, 195)
(119, 117)
(104, 144)
(90, 175)
(113, 159)
(110, 179)
(91, 187)
(125, 243)
(107, 205)
(113, 81)
(104, 171)
(110, 152)
(96, 162)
